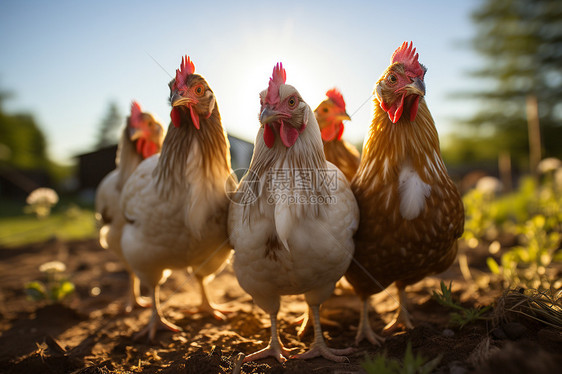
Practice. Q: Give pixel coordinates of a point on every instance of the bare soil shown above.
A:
(88, 333)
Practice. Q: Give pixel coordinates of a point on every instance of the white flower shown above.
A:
(549, 164)
(43, 196)
(41, 200)
(489, 185)
(52, 267)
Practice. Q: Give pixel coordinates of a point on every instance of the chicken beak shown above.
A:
(343, 116)
(268, 115)
(417, 87)
(135, 134)
(178, 100)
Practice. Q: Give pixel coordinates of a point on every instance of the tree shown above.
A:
(23, 144)
(109, 127)
(521, 41)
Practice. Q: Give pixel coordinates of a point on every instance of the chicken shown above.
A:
(141, 138)
(175, 203)
(330, 115)
(411, 211)
(293, 217)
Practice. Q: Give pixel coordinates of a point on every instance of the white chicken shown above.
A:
(175, 203)
(141, 138)
(293, 217)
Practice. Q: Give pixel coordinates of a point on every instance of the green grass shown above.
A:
(460, 315)
(69, 222)
(410, 364)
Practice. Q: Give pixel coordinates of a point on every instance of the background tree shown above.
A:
(521, 42)
(22, 143)
(109, 127)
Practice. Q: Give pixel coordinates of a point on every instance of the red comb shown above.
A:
(136, 114)
(335, 95)
(186, 68)
(406, 55)
(278, 78)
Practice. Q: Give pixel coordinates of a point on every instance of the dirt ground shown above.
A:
(88, 333)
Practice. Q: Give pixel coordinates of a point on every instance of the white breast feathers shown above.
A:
(413, 192)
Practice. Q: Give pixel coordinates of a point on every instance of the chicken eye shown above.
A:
(392, 79)
(292, 102)
(199, 90)
(325, 110)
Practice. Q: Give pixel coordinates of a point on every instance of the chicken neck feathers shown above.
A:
(270, 163)
(127, 158)
(344, 156)
(211, 156)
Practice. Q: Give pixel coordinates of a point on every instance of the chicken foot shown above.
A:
(402, 318)
(274, 349)
(319, 347)
(157, 320)
(206, 307)
(364, 330)
(135, 299)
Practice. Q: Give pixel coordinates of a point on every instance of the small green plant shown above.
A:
(461, 315)
(411, 364)
(528, 265)
(56, 286)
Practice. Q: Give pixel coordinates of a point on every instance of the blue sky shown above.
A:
(66, 60)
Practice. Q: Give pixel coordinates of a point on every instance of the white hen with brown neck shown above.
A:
(293, 222)
(176, 203)
(141, 138)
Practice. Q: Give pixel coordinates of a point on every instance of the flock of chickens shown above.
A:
(309, 210)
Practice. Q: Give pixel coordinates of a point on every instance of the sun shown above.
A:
(239, 85)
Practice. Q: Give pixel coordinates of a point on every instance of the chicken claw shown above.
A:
(402, 318)
(364, 331)
(206, 307)
(321, 350)
(217, 313)
(135, 298)
(156, 323)
(319, 347)
(274, 349)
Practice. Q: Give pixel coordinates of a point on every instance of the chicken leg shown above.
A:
(135, 298)
(206, 307)
(274, 349)
(364, 330)
(402, 318)
(157, 321)
(306, 323)
(318, 346)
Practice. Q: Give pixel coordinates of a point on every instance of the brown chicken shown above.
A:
(411, 211)
(330, 115)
